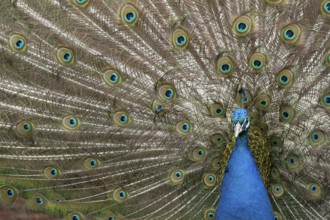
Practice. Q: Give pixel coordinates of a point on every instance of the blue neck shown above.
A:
(243, 194)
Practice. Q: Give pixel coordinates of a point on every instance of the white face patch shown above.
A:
(239, 128)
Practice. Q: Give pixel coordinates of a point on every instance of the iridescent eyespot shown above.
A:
(24, 128)
(276, 143)
(285, 78)
(258, 62)
(183, 127)
(275, 173)
(129, 14)
(293, 163)
(291, 34)
(209, 180)
(166, 92)
(177, 176)
(91, 163)
(209, 214)
(277, 216)
(263, 101)
(39, 200)
(180, 38)
(120, 195)
(316, 137)
(314, 190)
(74, 216)
(286, 114)
(217, 139)
(64, 56)
(8, 195)
(243, 26)
(325, 8)
(122, 119)
(112, 78)
(198, 154)
(80, 3)
(159, 107)
(325, 100)
(70, 122)
(51, 172)
(17, 42)
(216, 164)
(225, 66)
(277, 190)
(327, 59)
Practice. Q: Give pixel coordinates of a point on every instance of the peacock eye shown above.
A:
(258, 62)
(209, 180)
(17, 42)
(24, 128)
(10, 192)
(209, 214)
(183, 127)
(180, 38)
(166, 93)
(314, 190)
(277, 190)
(217, 110)
(51, 172)
(39, 200)
(64, 56)
(286, 114)
(291, 34)
(75, 217)
(120, 195)
(325, 8)
(316, 137)
(80, 3)
(122, 118)
(111, 218)
(177, 176)
(217, 139)
(225, 66)
(243, 26)
(8, 195)
(71, 122)
(129, 14)
(112, 78)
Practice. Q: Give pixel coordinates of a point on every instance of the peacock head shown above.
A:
(240, 121)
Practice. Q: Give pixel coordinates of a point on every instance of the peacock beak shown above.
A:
(239, 128)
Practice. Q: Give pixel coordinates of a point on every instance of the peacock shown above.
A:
(167, 109)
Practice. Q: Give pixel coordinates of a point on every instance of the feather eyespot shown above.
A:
(217, 139)
(71, 122)
(325, 7)
(64, 56)
(51, 172)
(81, 3)
(216, 164)
(39, 200)
(314, 190)
(177, 176)
(285, 78)
(129, 14)
(277, 216)
(24, 128)
(293, 163)
(112, 78)
(122, 119)
(286, 114)
(17, 42)
(263, 101)
(120, 195)
(198, 154)
(74, 216)
(325, 100)
(277, 190)
(243, 26)
(209, 214)
(183, 127)
(258, 62)
(291, 34)
(166, 93)
(8, 195)
(327, 59)
(316, 137)
(209, 180)
(217, 110)
(225, 66)
(180, 38)
(91, 163)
